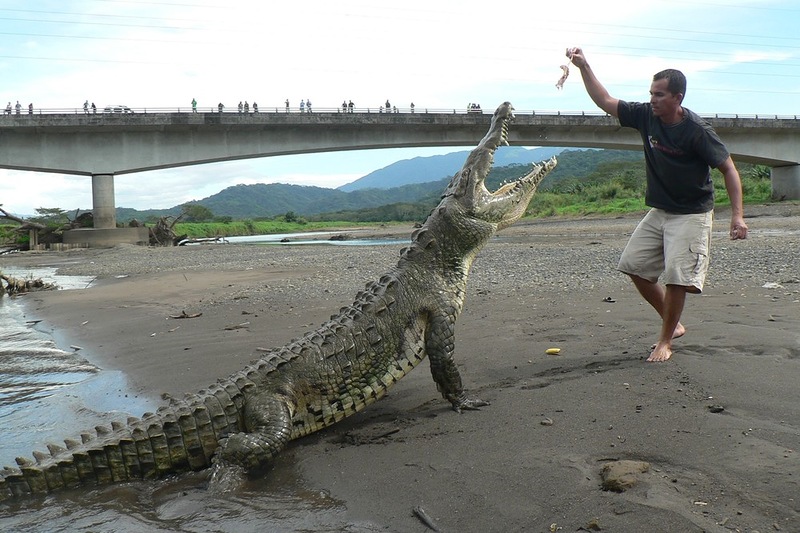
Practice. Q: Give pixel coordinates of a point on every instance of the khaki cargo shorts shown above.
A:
(673, 245)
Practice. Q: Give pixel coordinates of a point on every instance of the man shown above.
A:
(673, 238)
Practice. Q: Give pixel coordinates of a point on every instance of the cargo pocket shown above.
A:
(700, 251)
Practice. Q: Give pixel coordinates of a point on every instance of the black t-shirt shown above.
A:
(679, 158)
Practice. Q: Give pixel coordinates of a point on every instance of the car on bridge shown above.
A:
(117, 109)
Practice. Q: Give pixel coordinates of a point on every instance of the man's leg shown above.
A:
(669, 305)
(674, 299)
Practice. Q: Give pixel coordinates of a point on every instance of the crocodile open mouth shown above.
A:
(532, 178)
(535, 176)
(508, 203)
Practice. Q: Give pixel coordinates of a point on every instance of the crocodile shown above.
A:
(237, 426)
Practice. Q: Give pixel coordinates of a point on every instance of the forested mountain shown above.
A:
(270, 200)
(436, 167)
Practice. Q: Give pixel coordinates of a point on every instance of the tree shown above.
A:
(196, 213)
(759, 172)
(45, 228)
(51, 216)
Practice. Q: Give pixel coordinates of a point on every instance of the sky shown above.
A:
(740, 57)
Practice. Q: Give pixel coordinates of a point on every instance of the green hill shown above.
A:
(270, 200)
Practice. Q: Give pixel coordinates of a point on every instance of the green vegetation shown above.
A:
(614, 187)
(588, 182)
(194, 212)
(50, 216)
(8, 235)
(398, 212)
(200, 230)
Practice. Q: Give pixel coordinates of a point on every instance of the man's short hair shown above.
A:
(676, 81)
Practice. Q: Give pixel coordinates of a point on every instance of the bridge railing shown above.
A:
(24, 111)
(272, 109)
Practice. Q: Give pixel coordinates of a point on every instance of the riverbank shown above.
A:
(717, 424)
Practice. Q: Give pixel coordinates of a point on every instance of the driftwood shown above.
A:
(243, 325)
(10, 248)
(184, 314)
(43, 234)
(13, 286)
(204, 240)
(24, 224)
(163, 233)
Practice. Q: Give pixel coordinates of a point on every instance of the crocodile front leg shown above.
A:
(440, 345)
(268, 421)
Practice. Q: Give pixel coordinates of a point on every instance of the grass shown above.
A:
(616, 194)
(199, 230)
(619, 195)
(608, 198)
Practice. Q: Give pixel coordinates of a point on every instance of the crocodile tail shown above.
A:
(95, 459)
(180, 437)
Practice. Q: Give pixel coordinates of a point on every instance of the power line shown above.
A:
(684, 32)
(79, 14)
(239, 30)
(684, 39)
(107, 24)
(172, 24)
(97, 38)
(633, 51)
(704, 53)
(176, 4)
(728, 6)
(85, 60)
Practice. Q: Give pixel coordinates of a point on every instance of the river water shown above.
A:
(310, 238)
(49, 392)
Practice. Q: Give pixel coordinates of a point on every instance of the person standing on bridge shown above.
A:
(194, 105)
(673, 238)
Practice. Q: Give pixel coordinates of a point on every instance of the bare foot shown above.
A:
(661, 352)
(680, 331)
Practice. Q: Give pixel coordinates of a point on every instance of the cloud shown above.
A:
(23, 192)
(440, 55)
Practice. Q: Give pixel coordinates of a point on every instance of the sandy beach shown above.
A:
(716, 429)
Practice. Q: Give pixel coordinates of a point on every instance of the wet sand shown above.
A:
(718, 425)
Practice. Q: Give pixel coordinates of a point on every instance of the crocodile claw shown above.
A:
(225, 478)
(465, 403)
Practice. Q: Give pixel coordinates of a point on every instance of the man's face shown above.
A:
(664, 103)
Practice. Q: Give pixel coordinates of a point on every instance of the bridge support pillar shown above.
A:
(104, 210)
(786, 182)
(105, 232)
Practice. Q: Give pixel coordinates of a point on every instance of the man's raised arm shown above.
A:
(597, 92)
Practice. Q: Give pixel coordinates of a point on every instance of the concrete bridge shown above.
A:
(102, 145)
